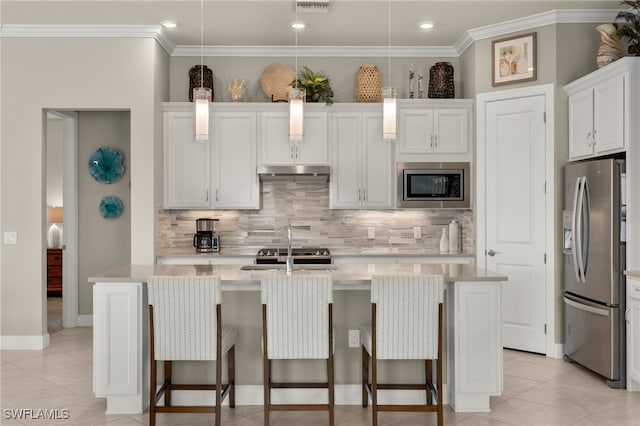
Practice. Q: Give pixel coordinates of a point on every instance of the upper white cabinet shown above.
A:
(186, 163)
(599, 112)
(362, 163)
(277, 149)
(235, 178)
(431, 127)
(220, 173)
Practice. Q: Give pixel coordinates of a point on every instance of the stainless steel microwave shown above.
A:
(433, 185)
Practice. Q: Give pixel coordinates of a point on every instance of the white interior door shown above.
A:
(515, 215)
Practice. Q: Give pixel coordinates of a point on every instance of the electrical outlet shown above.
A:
(354, 338)
(417, 232)
(10, 237)
(371, 233)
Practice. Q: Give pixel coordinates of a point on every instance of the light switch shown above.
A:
(11, 237)
(371, 233)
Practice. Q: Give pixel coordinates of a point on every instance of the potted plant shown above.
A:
(631, 30)
(317, 86)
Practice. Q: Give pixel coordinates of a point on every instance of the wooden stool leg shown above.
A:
(365, 376)
(428, 367)
(152, 394)
(231, 373)
(167, 379)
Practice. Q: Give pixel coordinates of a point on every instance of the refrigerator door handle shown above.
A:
(586, 308)
(579, 249)
(586, 225)
(574, 230)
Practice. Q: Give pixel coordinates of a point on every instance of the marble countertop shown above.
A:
(250, 252)
(345, 277)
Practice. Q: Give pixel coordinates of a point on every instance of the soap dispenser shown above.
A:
(444, 241)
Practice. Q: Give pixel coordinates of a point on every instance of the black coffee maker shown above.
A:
(206, 239)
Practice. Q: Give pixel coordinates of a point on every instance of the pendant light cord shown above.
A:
(295, 30)
(202, 43)
(389, 38)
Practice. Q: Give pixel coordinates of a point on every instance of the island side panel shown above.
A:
(476, 351)
(120, 341)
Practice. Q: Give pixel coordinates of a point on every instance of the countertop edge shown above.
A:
(351, 275)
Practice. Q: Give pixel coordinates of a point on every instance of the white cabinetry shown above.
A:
(220, 173)
(426, 128)
(277, 149)
(186, 163)
(598, 114)
(632, 316)
(361, 161)
(235, 178)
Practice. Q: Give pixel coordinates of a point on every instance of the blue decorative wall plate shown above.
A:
(111, 207)
(106, 165)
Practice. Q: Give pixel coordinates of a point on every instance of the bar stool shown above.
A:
(297, 323)
(406, 323)
(185, 325)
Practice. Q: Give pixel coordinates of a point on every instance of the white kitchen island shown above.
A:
(473, 350)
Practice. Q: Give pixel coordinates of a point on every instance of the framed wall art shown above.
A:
(513, 59)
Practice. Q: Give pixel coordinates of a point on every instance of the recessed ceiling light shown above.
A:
(298, 25)
(426, 25)
(169, 24)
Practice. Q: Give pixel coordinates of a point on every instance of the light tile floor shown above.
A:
(537, 391)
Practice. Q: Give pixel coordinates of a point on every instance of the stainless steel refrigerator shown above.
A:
(594, 246)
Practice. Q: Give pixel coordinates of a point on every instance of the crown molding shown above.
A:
(316, 51)
(564, 16)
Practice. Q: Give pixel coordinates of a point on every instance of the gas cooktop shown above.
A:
(299, 254)
(299, 251)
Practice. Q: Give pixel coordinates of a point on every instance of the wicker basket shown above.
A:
(441, 81)
(368, 86)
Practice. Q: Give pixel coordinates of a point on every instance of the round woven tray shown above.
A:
(276, 79)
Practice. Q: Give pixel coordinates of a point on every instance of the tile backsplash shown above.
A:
(307, 204)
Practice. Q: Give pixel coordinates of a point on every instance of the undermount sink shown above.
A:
(281, 267)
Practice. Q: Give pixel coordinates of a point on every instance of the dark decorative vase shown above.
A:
(196, 78)
(441, 81)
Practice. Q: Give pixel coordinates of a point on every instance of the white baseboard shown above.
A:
(24, 342)
(344, 395)
(84, 321)
(556, 351)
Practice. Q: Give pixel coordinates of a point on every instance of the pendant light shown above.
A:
(297, 98)
(389, 94)
(201, 95)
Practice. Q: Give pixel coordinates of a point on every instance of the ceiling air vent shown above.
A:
(312, 6)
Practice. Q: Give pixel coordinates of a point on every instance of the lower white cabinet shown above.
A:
(362, 163)
(220, 173)
(632, 316)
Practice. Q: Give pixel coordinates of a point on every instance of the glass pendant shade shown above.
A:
(296, 113)
(389, 113)
(201, 99)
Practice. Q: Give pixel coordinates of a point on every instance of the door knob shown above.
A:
(492, 252)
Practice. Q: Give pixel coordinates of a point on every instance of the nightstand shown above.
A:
(54, 272)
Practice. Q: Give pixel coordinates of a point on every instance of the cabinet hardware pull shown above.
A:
(364, 195)
(589, 140)
(291, 152)
(216, 195)
(595, 132)
(431, 141)
(435, 144)
(206, 195)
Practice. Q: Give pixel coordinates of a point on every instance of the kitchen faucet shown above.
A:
(289, 254)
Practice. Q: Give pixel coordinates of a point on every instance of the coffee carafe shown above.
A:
(206, 239)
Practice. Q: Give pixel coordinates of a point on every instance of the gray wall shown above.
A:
(103, 244)
(54, 161)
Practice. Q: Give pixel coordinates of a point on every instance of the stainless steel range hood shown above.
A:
(294, 173)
